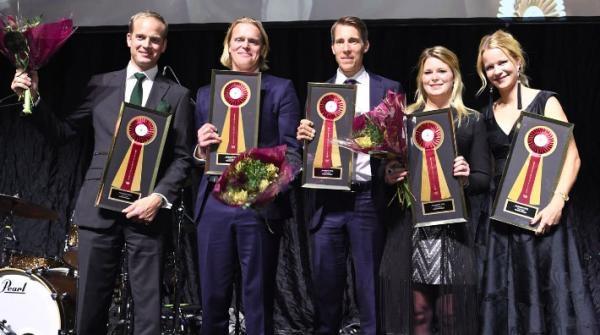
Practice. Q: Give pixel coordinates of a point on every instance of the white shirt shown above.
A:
(130, 81)
(362, 162)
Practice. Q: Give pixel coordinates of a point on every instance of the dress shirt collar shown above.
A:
(361, 76)
(132, 69)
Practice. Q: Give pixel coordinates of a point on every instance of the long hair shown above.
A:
(506, 42)
(264, 39)
(449, 58)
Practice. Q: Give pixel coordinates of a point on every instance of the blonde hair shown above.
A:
(449, 58)
(264, 40)
(506, 42)
(149, 13)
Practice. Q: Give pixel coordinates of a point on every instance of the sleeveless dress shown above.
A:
(533, 284)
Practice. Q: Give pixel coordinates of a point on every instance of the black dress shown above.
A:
(440, 260)
(533, 284)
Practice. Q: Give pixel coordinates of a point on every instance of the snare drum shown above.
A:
(41, 302)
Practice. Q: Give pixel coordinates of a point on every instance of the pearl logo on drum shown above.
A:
(7, 287)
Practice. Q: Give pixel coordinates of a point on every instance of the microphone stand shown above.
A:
(170, 69)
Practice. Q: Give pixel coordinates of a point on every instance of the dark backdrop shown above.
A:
(562, 56)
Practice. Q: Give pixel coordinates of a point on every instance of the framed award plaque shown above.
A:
(134, 157)
(533, 168)
(439, 197)
(235, 111)
(331, 108)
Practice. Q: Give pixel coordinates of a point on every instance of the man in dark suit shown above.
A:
(103, 233)
(228, 236)
(339, 221)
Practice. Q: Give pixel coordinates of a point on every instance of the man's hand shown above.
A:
(305, 130)
(207, 135)
(144, 210)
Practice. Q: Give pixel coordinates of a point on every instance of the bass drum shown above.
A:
(41, 302)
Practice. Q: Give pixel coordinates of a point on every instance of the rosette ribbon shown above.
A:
(330, 107)
(141, 131)
(539, 142)
(235, 94)
(428, 138)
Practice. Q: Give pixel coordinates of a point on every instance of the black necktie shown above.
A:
(350, 81)
(138, 93)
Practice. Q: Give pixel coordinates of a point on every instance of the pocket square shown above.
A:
(163, 107)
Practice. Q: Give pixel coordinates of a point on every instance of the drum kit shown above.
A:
(38, 294)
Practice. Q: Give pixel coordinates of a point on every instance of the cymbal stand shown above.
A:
(122, 301)
(178, 317)
(7, 234)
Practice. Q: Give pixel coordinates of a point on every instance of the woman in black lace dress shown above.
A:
(428, 274)
(534, 282)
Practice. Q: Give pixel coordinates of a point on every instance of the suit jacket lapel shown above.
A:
(375, 89)
(158, 91)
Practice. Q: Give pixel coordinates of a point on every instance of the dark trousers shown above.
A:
(231, 238)
(348, 222)
(99, 261)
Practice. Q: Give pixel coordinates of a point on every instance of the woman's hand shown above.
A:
(549, 216)
(462, 170)
(305, 130)
(394, 172)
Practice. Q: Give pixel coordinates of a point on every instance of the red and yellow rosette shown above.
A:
(141, 131)
(428, 137)
(235, 94)
(330, 107)
(539, 141)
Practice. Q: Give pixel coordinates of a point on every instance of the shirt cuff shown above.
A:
(198, 159)
(37, 100)
(165, 203)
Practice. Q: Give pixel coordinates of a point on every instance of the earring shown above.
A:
(491, 99)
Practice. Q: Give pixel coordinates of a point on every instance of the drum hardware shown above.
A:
(11, 205)
(121, 311)
(4, 329)
(71, 245)
(7, 236)
(177, 319)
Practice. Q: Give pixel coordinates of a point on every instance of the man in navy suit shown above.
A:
(102, 233)
(339, 221)
(228, 236)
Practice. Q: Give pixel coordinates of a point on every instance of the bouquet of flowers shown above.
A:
(28, 44)
(254, 178)
(381, 132)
